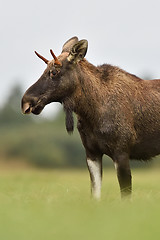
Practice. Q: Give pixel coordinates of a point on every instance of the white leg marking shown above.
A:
(115, 165)
(96, 178)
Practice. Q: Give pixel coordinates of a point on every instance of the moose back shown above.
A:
(118, 113)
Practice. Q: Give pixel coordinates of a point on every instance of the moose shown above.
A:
(118, 113)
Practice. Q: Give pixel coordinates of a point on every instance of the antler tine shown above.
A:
(41, 57)
(57, 62)
(53, 55)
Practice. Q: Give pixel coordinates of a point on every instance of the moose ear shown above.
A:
(78, 51)
(69, 44)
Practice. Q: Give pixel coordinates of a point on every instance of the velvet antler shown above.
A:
(41, 57)
(57, 62)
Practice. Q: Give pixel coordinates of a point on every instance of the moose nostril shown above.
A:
(26, 108)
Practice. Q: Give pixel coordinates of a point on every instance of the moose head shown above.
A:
(58, 81)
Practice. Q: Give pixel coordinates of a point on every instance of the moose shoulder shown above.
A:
(118, 113)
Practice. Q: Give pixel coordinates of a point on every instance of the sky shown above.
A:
(124, 33)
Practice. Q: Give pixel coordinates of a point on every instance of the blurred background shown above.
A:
(125, 33)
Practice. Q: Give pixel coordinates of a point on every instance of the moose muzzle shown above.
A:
(32, 104)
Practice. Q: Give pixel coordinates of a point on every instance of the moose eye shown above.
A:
(53, 73)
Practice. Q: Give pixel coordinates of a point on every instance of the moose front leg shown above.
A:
(124, 174)
(95, 169)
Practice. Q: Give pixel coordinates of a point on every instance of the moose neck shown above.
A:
(86, 98)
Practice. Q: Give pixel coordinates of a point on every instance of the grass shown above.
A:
(45, 205)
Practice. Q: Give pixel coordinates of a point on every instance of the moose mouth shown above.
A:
(28, 108)
(37, 110)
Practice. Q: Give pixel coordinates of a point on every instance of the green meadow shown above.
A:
(56, 204)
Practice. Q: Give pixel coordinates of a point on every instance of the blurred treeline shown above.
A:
(39, 141)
